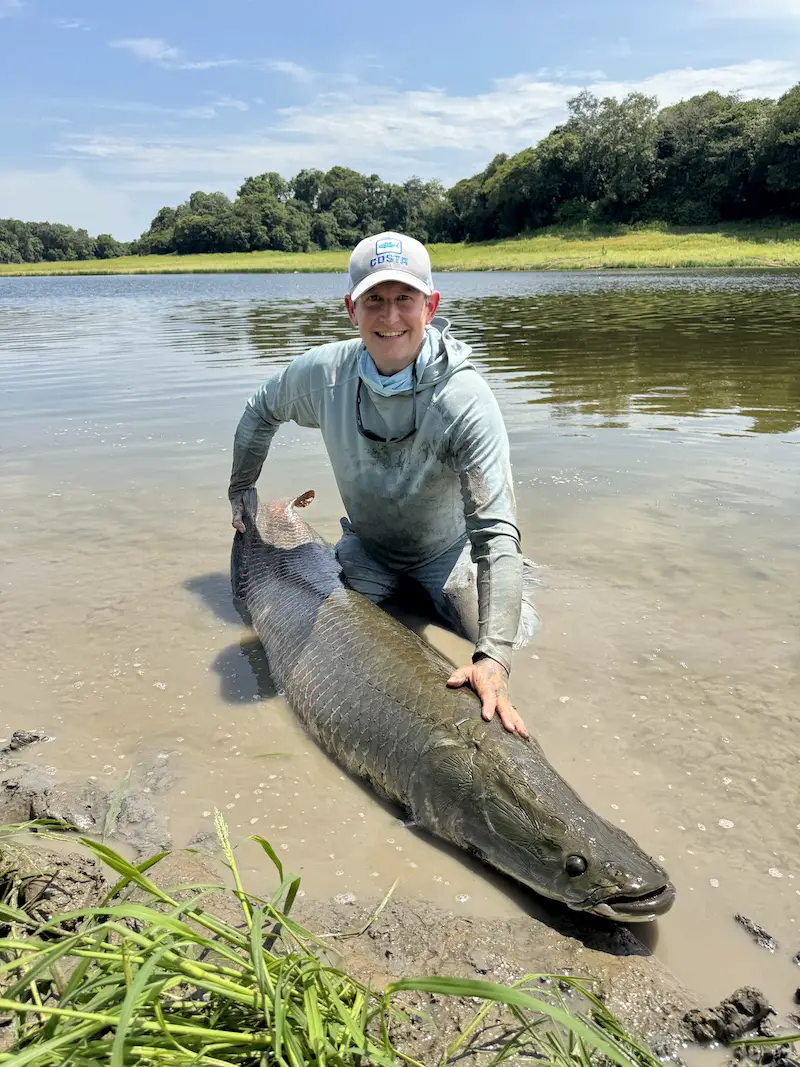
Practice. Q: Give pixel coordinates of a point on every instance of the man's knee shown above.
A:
(361, 571)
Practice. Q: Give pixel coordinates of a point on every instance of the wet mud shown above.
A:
(126, 814)
(405, 938)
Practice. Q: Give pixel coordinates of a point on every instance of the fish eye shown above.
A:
(575, 865)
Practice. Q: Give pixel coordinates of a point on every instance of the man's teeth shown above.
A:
(395, 333)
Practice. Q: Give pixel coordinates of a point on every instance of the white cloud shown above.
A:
(156, 50)
(72, 24)
(153, 49)
(752, 10)
(10, 7)
(516, 112)
(66, 195)
(430, 133)
(232, 103)
(293, 70)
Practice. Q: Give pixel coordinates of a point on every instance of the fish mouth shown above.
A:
(639, 909)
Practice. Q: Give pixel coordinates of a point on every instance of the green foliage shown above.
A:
(712, 158)
(34, 242)
(159, 977)
(708, 159)
(780, 160)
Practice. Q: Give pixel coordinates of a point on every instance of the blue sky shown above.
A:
(110, 110)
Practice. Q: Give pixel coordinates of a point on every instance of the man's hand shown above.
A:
(237, 511)
(489, 679)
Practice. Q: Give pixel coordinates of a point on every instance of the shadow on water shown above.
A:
(215, 592)
(244, 674)
(242, 668)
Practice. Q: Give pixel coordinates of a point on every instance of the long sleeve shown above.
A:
(286, 397)
(481, 453)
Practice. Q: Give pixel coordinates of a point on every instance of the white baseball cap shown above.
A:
(389, 257)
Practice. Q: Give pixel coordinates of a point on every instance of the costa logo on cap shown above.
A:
(390, 257)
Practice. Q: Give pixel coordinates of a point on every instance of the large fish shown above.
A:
(373, 695)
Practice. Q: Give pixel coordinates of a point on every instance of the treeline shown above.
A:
(709, 159)
(32, 242)
(712, 158)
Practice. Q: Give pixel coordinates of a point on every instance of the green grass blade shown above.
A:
(469, 987)
(270, 851)
(126, 881)
(127, 870)
(263, 979)
(315, 1031)
(9, 914)
(291, 895)
(129, 1006)
(115, 806)
(785, 1039)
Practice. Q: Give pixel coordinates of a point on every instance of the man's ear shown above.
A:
(433, 304)
(351, 310)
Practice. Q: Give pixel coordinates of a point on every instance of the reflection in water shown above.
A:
(595, 356)
(654, 353)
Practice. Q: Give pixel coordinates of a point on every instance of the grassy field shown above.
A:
(740, 245)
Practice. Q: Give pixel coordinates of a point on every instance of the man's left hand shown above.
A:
(489, 679)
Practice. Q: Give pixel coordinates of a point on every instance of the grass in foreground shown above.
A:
(156, 978)
(620, 247)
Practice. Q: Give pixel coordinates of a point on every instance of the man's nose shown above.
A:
(391, 312)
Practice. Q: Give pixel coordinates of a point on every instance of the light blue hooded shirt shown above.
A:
(439, 471)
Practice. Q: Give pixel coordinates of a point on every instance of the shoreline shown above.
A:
(510, 269)
(732, 247)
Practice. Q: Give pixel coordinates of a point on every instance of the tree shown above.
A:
(618, 149)
(269, 183)
(779, 160)
(107, 248)
(709, 147)
(201, 203)
(306, 185)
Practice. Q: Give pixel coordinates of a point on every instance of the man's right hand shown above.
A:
(237, 511)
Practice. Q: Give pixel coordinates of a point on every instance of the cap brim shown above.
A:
(389, 276)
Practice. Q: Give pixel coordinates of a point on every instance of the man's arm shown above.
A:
(286, 397)
(479, 444)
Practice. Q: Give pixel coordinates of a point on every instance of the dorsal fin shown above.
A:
(304, 499)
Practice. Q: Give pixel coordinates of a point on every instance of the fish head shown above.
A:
(534, 827)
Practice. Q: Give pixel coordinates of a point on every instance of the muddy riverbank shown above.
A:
(406, 938)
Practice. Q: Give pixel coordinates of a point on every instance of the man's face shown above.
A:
(391, 318)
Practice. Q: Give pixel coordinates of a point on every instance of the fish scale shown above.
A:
(374, 695)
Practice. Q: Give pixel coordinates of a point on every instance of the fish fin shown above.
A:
(250, 504)
(304, 499)
(238, 557)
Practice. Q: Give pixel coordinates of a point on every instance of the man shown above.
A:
(420, 455)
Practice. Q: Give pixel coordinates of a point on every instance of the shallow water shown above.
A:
(655, 429)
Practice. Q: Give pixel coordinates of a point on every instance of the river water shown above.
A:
(655, 429)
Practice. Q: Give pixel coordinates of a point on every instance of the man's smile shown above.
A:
(390, 333)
